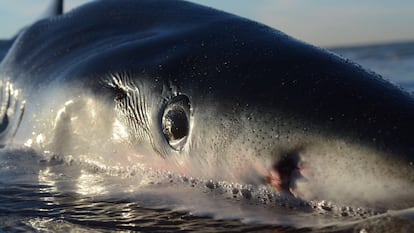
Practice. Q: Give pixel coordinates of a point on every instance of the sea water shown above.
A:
(45, 192)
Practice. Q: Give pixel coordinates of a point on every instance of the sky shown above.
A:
(325, 23)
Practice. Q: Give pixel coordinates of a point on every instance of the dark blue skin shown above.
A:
(212, 54)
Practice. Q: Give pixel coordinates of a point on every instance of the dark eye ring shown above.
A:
(176, 121)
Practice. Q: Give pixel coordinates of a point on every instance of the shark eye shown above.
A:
(175, 121)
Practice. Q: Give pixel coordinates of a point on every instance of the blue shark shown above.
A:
(212, 94)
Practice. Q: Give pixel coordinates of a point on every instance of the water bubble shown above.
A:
(246, 193)
(184, 179)
(210, 184)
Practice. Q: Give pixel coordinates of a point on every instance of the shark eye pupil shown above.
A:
(175, 122)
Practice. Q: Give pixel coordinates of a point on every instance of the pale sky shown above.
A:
(321, 22)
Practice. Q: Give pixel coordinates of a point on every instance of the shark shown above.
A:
(210, 94)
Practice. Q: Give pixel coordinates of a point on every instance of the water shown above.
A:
(44, 192)
(395, 62)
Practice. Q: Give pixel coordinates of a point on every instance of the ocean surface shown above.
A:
(43, 192)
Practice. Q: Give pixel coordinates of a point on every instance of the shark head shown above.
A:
(210, 94)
